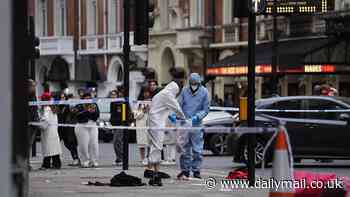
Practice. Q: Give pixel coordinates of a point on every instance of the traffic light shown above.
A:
(35, 51)
(143, 20)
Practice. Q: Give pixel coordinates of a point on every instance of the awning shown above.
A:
(291, 54)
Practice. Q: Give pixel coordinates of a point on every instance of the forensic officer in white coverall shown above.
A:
(162, 105)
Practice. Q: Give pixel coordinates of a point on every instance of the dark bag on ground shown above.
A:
(123, 179)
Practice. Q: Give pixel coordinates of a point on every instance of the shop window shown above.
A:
(92, 17)
(227, 11)
(113, 16)
(197, 12)
(61, 17)
(344, 89)
(42, 18)
(338, 55)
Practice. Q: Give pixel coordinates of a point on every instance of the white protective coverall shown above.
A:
(162, 105)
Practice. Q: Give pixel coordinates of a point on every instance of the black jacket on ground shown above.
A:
(83, 116)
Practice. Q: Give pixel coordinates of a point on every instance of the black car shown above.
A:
(215, 141)
(313, 135)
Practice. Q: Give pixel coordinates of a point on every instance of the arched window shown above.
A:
(59, 70)
(120, 74)
(115, 71)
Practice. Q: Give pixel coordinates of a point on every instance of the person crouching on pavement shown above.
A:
(162, 105)
(194, 101)
(50, 141)
(87, 137)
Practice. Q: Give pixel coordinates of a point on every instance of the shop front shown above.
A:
(302, 64)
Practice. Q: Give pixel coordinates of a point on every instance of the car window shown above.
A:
(286, 105)
(319, 104)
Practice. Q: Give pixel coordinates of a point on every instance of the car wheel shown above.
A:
(231, 141)
(217, 144)
(259, 149)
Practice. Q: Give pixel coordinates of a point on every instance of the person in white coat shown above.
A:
(141, 116)
(50, 141)
(162, 105)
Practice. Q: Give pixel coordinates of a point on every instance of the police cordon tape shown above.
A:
(75, 101)
(242, 130)
(109, 100)
(280, 110)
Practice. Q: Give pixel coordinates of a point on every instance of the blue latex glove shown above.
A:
(172, 118)
(195, 120)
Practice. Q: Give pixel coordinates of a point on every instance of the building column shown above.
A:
(258, 85)
(308, 85)
(219, 87)
(284, 88)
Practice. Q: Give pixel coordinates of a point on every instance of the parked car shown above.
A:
(313, 135)
(215, 141)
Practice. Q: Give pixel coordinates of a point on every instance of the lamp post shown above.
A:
(274, 79)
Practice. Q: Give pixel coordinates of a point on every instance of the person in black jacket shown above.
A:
(33, 116)
(116, 120)
(67, 133)
(87, 133)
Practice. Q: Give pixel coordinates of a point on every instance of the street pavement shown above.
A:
(71, 181)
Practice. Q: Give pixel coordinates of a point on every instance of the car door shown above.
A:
(330, 134)
(294, 123)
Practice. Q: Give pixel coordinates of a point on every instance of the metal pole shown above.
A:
(76, 38)
(21, 53)
(126, 51)
(32, 61)
(213, 23)
(251, 93)
(274, 79)
(32, 69)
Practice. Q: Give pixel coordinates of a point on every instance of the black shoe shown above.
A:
(148, 174)
(197, 175)
(163, 175)
(155, 181)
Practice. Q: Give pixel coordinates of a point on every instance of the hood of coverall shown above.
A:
(172, 88)
(195, 78)
(195, 82)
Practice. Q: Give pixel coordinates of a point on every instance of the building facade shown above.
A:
(81, 44)
(196, 33)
